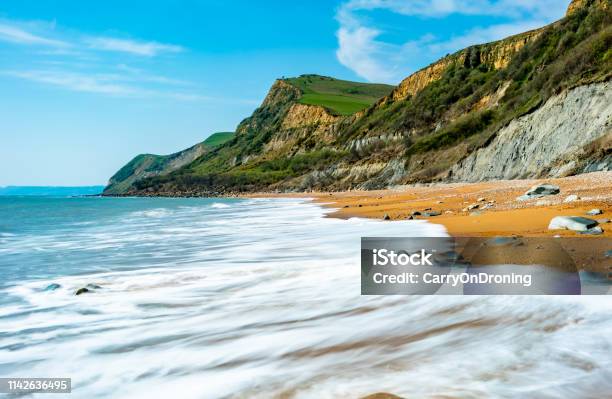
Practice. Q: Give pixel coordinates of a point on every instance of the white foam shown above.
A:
(273, 306)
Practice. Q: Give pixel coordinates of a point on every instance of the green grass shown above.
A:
(216, 139)
(342, 97)
(343, 105)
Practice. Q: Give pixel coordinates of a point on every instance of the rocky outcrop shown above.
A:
(577, 5)
(419, 80)
(531, 144)
(496, 55)
(302, 115)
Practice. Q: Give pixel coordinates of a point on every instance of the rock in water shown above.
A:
(541, 190)
(575, 223)
(92, 286)
(594, 212)
(53, 287)
(81, 291)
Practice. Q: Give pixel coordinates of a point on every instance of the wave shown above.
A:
(272, 308)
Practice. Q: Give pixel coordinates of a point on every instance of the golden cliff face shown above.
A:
(495, 55)
(576, 5)
(303, 121)
(280, 92)
(302, 115)
(417, 81)
(499, 54)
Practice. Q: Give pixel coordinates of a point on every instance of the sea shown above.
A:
(260, 298)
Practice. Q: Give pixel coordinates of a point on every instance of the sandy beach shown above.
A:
(503, 214)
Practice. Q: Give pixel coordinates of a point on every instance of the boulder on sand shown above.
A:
(541, 190)
(571, 198)
(594, 212)
(595, 231)
(575, 223)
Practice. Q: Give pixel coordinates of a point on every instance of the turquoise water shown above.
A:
(259, 298)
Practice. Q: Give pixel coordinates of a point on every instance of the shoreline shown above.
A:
(503, 213)
(504, 216)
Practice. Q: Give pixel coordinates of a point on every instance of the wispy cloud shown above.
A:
(82, 62)
(15, 34)
(361, 49)
(24, 34)
(142, 48)
(115, 85)
(103, 84)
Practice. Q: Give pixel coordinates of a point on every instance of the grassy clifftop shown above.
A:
(341, 97)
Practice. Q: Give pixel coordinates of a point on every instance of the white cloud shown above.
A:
(148, 49)
(14, 34)
(361, 50)
(358, 50)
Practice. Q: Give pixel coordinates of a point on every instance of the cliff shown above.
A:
(534, 104)
(495, 55)
(148, 165)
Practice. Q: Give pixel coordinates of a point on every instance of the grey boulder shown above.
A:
(594, 212)
(541, 190)
(575, 223)
(595, 231)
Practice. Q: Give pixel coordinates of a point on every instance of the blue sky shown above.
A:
(87, 85)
